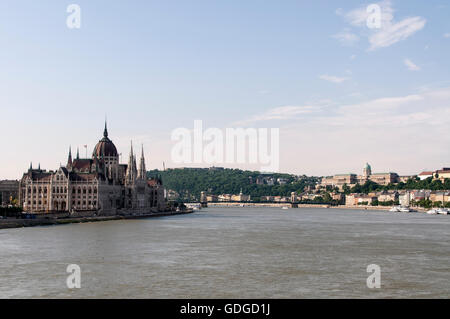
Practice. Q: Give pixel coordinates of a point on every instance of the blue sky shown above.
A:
(340, 93)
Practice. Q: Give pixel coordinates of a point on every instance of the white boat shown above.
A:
(284, 207)
(442, 211)
(194, 206)
(406, 210)
(432, 211)
(395, 209)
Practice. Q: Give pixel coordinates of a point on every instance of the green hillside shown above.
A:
(189, 182)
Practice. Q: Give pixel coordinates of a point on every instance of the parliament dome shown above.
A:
(105, 147)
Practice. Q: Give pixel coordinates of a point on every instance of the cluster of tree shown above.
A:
(426, 203)
(411, 184)
(386, 203)
(429, 183)
(320, 200)
(190, 182)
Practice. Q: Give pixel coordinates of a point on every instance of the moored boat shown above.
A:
(194, 206)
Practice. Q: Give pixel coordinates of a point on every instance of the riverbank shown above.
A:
(19, 223)
(289, 205)
(225, 204)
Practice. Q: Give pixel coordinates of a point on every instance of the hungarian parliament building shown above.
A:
(100, 185)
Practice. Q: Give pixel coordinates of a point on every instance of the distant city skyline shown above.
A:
(341, 94)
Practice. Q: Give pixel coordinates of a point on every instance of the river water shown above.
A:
(233, 253)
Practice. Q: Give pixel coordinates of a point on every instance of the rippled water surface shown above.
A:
(233, 253)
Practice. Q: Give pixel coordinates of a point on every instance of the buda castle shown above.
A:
(351, 179)
(99, 185)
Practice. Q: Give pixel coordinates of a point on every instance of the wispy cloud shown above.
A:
(411, 65)
(386, 131)
(395, 32)
(280, 113)
(428, 106)
(390, 31)
(332, 78)
(447, 35)
(346, 37)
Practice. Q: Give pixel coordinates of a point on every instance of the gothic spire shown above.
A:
(78, 153)
(131, 169)
(142, 171)
(69, 160)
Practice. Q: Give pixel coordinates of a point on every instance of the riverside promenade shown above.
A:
(19, 223)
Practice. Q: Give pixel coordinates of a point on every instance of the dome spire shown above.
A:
(105, 132)
(105, 147)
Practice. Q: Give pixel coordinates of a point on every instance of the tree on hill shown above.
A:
(189, 182)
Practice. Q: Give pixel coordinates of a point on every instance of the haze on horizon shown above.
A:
(342, 94)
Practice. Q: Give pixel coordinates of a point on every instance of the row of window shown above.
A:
(59, 190)
(79, 203)
(90, 203)
(65, 196)
(84, 190)
(39, 202)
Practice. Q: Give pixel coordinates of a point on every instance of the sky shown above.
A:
(341, 93)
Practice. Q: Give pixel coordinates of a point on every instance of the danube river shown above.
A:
(233, 253)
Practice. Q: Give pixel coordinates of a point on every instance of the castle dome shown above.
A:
(105, 147)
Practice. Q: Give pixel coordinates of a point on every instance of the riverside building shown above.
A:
(100, 185)
(351, 180)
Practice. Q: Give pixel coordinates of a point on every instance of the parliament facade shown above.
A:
(100, 185)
